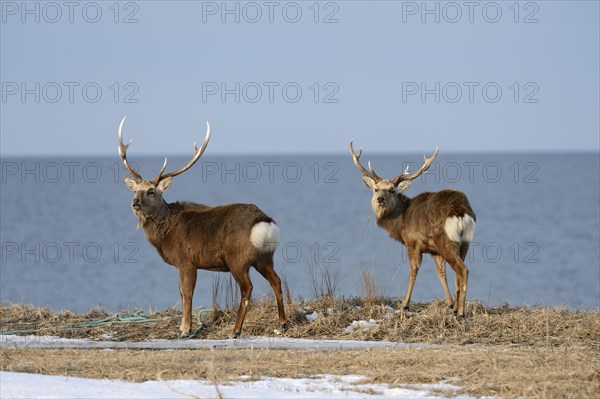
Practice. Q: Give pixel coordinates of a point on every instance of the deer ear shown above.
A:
(130, 183)
(164, 184)
(369, 182)
(403, 186)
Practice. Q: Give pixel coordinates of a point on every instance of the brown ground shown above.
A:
(507, 352)
(482, 370)
(431, 323)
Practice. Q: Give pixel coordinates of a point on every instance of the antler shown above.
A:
(405, 176)
(197, 154)
(123, 154)
(355, 157)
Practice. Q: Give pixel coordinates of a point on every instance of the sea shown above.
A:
(69, 239)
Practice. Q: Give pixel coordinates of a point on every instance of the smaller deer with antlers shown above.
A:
(189, 236)
(440, 223)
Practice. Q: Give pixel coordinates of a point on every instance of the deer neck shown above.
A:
(156, 225)
(393, 220)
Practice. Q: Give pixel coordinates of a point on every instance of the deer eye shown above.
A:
(151, 192)
(391, 191)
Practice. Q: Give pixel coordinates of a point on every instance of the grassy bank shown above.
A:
(431, 323)
(535, 352)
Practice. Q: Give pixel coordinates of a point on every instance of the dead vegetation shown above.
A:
(481, 371)
(501, 351)
(431, 323)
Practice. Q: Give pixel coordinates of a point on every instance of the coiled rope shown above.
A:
(135, 317)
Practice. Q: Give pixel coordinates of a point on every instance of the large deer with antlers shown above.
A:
(189, 236)
(440, 223)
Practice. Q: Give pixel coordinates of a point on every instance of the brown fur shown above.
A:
(193, 236)
(419, 224)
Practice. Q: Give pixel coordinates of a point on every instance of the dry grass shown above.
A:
(427, 323)
(535, 352)
(496, 371)
(323, 279)
(368, 287)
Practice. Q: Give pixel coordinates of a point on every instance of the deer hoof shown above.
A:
(186, 331)
(284, 326)
(185, 334)
(235, 335)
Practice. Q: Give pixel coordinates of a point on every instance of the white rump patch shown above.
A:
(265, 236)
(460, 229)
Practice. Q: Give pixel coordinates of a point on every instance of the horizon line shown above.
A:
(305, 154)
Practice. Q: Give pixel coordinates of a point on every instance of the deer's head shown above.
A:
(147, 200)
(386, 193)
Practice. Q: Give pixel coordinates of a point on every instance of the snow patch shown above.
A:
(360, 325)
(24, 385)
(248, 342)
(312, 317)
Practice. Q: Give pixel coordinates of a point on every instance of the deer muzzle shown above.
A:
(135, 204)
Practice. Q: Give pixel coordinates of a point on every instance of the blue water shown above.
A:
(69, 239)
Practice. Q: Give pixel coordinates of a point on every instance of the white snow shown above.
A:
(23, 385)
(248, 342)
(360, 325)
(312, 317)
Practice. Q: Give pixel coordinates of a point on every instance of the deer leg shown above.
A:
(463, 299)
(267, 271)
(187, 283)
(414, 258)
(243, 279)
(441, 272)
(461, 279)
(457, 288)
(464, 248)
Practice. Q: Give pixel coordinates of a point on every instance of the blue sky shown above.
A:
(299, 77)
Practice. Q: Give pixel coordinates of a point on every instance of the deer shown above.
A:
(439, 223)
(190, 236)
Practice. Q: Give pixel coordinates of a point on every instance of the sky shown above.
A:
(302, 77)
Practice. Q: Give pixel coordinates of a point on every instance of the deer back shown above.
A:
(428, 218)
(211, 237)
